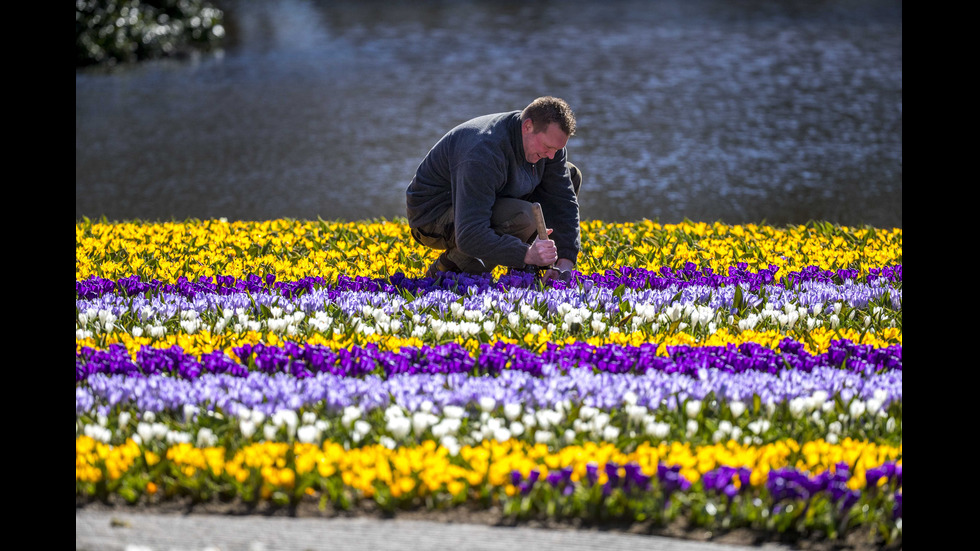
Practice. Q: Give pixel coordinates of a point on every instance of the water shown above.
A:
(737, 111)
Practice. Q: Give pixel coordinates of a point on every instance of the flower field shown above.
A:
(719, 376)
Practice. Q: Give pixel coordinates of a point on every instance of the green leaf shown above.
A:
(738, 302)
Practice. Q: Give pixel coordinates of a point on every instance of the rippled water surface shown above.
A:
(739, 111)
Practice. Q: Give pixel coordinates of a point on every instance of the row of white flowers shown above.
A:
(453, 426)
(472, 323)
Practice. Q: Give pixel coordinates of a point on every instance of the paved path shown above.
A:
(121, 531)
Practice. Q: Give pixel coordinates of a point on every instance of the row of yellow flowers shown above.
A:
(816, 341)
(428, 468)
(294, 249)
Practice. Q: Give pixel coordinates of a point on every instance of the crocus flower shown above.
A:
(671, 480)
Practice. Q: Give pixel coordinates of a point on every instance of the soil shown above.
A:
(857, 540)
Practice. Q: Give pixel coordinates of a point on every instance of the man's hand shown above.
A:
(562, 270)
(542, 252)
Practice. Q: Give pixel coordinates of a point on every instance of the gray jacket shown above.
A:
(477, 162)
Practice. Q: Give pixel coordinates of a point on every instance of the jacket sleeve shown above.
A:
(560, 206)
(475, 184)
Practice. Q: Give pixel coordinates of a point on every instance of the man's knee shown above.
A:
(513, 217)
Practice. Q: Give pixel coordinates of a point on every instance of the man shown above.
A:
(472, 194)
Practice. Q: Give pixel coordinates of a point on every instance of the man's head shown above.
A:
(546, 125)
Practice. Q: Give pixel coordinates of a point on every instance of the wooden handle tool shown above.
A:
(563, 275)
(539, 220)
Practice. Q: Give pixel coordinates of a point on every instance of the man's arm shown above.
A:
(560, 206)
(475, 186)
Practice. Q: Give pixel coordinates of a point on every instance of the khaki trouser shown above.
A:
(509, 216)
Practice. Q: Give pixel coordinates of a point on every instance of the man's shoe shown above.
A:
(442, 264)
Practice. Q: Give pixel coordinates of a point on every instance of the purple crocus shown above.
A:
(671, 480)
(722, 480)
(635, 479)
(835, 482)
(788, 484)
(704, 363)
(592, 473)
(625, 277)
(532, 478)
(888, 471)
(561, 480)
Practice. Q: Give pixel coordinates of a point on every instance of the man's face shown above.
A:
(541, 145)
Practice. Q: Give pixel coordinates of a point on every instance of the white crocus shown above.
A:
(453, 412)
(718, 436)
(98, 433)
(529, 419)
(487, 403)
(759, 426)
(657, 430)
(797, 406)
(601, 421)
(451, 444)
(692, 428)
(361, 429)
(178, 437)
(269, 431)
(421, 421)
(286, 418)
(547, 418)
(501, 434)
(206, 438)
(351, 414)
(857, 408)
(610, 433)
(445, 426)
(456, 309)
(307, 434)
(692, 408)
(399, 426)
(636, 414)
(246, 427)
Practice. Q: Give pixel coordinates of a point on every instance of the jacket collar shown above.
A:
(516, 138)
